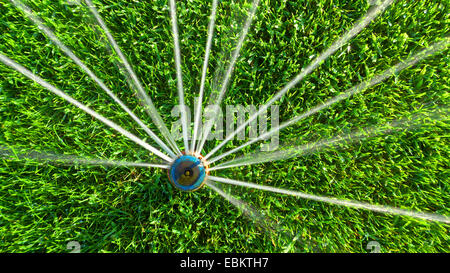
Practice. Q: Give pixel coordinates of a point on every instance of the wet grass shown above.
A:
(45, 206)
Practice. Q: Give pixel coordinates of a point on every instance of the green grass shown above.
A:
(44, 206)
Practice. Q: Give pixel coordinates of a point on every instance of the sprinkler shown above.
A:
(188, 172)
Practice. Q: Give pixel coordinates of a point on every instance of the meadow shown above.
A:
(43, 206)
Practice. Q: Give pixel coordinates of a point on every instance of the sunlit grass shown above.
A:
(43, 207)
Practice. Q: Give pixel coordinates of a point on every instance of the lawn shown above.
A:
(44, 206)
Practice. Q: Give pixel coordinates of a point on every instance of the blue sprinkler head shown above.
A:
(188, 173)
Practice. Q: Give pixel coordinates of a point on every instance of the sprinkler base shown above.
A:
(188, 172)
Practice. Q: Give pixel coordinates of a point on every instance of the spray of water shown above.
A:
(39, 23)
(134, 81)
(291, 151)
(12, 64)
(437, 47)
(212, 22)
(262, 221)
(216, 98)
(360, 25)
(341, 202)
(253, 214)
(184, 125)
(19, 154)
